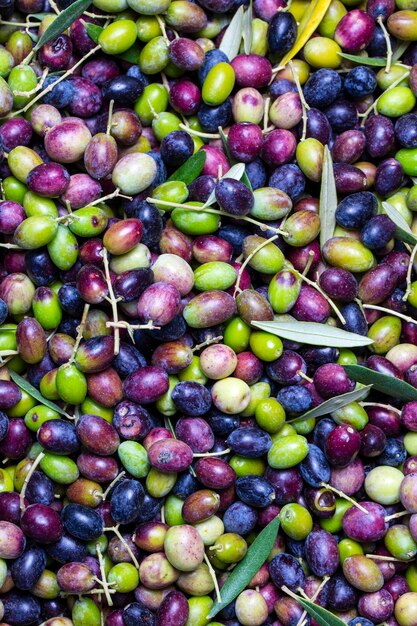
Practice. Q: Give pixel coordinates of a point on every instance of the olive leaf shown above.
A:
(247, 29)
(190, 169)
(93, 31)
(232, 37)
(245, 178)
(314, 334)
(9, 327)
(22, 383)
(328, 199)
(63, 21)
(236, 172)
(401, 48)
(389, 385)
(309, 23)
(248, 566)
(333, 404)
(322, 616)
(403, 231)
(356, 58)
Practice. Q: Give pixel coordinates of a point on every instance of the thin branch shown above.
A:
(113, 301)
(27, 479)
(214, 578)
(343, 495)
(80, 330)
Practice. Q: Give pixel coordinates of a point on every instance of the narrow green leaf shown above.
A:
(236, 172)
(403, 231)
(247, 29)
(245, 178)
(233, 36)
(63, 21)
(389, 385)
(314, 334)
(93, 31)
(322, 616)
(402, 47)
(191, 169)
(9, 327)
(131, 55)
(328, 199)
(32, 391)
(373, 61)
(333, 404)
(248, 566)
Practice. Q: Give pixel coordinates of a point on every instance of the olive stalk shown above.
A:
(381, 557)
(214, 578)
(388, 518)
(80, 330)
(103, 576)
(383, 406)
(247, 260)
(373, 105)
(199, 133)
(313, 598)
(208, 454)
(304, 106)
(345, 497)
(113, 301)
(409, 271)
(207, 342)
(27, 479)
(374, 307)
(116, 531)
(110, 487)
(39, 86)
(388, 42)
(325, 296)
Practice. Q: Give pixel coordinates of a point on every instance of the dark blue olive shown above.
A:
(59, 437)
(200, 189)
(161, 173)
(360, 82)
(176, 148)
(342, 115)
(185, 485)
(257, 174)
(35, 373)
(394, 453)
(285, 569)
(4, 311)
(377, 47)
(233, 196)
(149, 509)
(377, 232)
(128, 360)
(61, 95)
(255, 491)
(296, 548)
(360, 621)
(222, 424)
(290, 179)
(322, 431)
(170, 332)
(126, 501)
(355, 210)
(39, 267)
(342, 596)
(21, 610)
(212, 58)
(69, 326)
(318, 126)
(295, 399)
(82, 522)
(281, 86)
(136, 614)
(70, 300)
(40, 489)
(322, 88)
(406, 130)
(27, 569)
(314, 357)
(67, 549)
(282, 32)
(122, 89)
(388, 177)
(250, 442)
(211, 118)
(150, 217)
(355, 319)
(234, 234)
(191, 398)
(240, 518)
(315, 468)
(229, 611)
(4, 425)
(137, 73)
(53, 608)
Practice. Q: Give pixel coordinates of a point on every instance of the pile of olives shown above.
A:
(163, 190)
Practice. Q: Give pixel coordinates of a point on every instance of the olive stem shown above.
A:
(117, 532)
(266, 113)
(325, 296)
(61, 78)
(313, 599)
(103, 575)
(127, 326)
(309, 263)
(388, 518)
(409, 271)
(383, 406)
(208, 454)
(109, 119)
(304, 376)
(305, 107)
(198, 133)
(165, 82)
(208, 342)
(162, 27)
(10, 246)
(115, 194)
(373, 105)
(388, 42)
(113, 482)
(193, 207)
(27, 479)
(8, 353)
(39, 86)
(247, 260)
(113, 301)
(214, 578)
(80, 330)
(54, 6)
(380, 557)
(343, 495)
(407, 318)
(163, 514)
